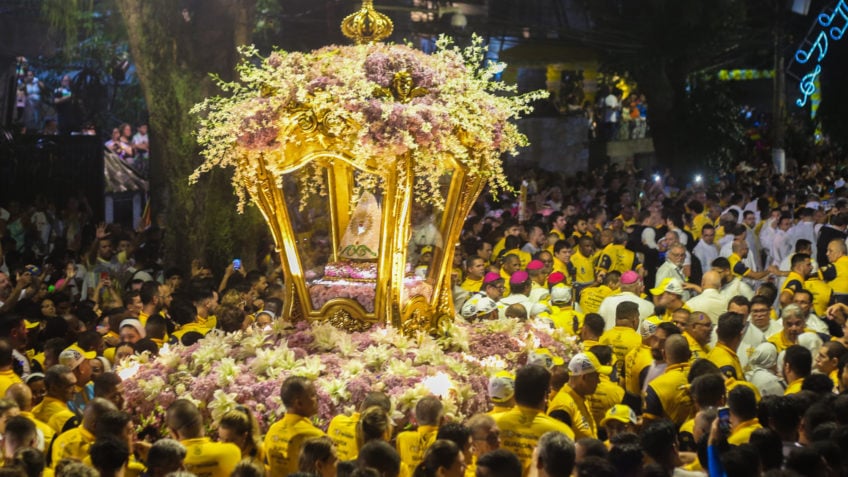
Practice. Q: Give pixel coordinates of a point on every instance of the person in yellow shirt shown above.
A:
(623, 336)
(342, 428)
(801, 268)
(509, 265)
(22, 396)
(698, 331)
(699, 217)
(743, 415)
(591, 332)
(475, 270)
(286, 436)
(608, 393)
(583, 261)
(616, 257)
(731, 327)
(411, 445)
(561, 315)
(667, 396)
(109, 456)
(203, 457)
(618, 420)
(510, 228)
(7, 374)
(636, 364)
(797, 365)
(569, 405)
(563, 249)
(522, 426)
(836, 274)
(239, 427)
(74, 443)
(794, 323)
(592, 297)
(827, 360)
(53, 409)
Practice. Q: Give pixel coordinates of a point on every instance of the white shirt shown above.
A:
(781, 246)
(706, 253)
(767, 383)
(608, 306)
(737, 287)
(711, 302)
(670, 270)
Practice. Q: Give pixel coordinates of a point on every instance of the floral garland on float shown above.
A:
(247, 368)
(390, 103)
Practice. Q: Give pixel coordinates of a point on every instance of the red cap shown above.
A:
(556, 277)
(519, 277)
(535, 265)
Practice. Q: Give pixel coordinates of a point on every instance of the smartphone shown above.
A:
(236, 264)
(724, 420)
(104, 276)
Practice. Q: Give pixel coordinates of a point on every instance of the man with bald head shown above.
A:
(710, 300)
(667, 396)
(22, 396)
(836, 274)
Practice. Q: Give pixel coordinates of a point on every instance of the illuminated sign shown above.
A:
(831, 30)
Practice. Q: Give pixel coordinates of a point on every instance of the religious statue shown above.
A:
(361, 240)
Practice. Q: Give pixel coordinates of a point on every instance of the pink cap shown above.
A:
(491, 277)
(556, 277)
(519, 277)
(629, 277)
(535, 265)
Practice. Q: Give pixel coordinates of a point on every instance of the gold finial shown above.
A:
(367, 25)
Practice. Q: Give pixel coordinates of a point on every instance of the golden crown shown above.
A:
(367, 25)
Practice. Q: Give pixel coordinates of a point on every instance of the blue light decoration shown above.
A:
(829, 30)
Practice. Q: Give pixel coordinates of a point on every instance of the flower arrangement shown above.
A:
(380, 103)
(248, 368)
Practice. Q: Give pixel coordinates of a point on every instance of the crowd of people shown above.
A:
(711, 319)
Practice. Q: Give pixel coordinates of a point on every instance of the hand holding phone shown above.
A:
(237, 264)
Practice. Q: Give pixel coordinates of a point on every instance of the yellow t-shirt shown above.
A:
(591, 298)
(8, 378)
(73, 444)
(584, 268)
(205, 458)
(342, 430)
(411, 445)
(574, 406)
(697, 350)
(605, 396)
(793, 283)
(741, 434)
(780, 341)
(636, 365)
(622, 339)
(794, 387)
(521, 427)
(737, 266)
(668, 395)
(46, 430)
(727, 361)
(836, 275)
(470, 285)
(284, 440)
(53, 412)
(564, 318)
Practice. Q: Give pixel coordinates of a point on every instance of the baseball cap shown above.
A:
(561, 294)
(670, 285)
(135, 324)
(490, 278)
(519, 277)
(647, 328)
(543, 357)
(621, 413)
(535, 265)
(555, 278)
(73, 356)
(583, 363)
(629, 277)
(501, 387)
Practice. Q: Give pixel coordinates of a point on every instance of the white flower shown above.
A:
(227, 371)
(375, 356)
(211, 350)
(275, 358)
(309, 367)
(336, 388)
(429, 352)
(410, 396)
(352, 368)
(221, 404)
(344, 343)
(153, 387)
(402, 368)
(325, 336)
